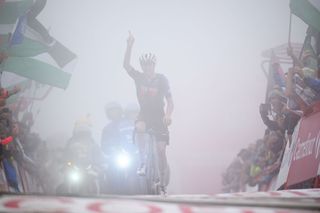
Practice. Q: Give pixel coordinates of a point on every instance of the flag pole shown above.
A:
(289, 35)
(1, 77)
(290, 27)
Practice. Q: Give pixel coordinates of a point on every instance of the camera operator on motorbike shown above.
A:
(117, 144)
(82, 161)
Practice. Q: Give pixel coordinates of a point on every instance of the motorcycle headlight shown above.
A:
(123, 160)
(74, 176)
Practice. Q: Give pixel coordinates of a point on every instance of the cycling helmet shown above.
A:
(113, 110)
(112, 105)
(83, 124)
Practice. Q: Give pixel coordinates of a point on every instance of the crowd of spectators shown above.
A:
(286, 103)
(20, 148)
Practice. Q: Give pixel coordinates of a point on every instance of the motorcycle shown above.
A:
(121, 175)
(78, 180)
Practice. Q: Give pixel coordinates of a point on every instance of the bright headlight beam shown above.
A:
(75, 176)
(123, 160)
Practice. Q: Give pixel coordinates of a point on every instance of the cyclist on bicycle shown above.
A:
(152, 89)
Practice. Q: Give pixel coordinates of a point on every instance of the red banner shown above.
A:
(305, 155)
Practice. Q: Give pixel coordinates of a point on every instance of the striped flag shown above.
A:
(26, 42)
(37, 70)
(18, 33)
(29, 33)
(27, 39)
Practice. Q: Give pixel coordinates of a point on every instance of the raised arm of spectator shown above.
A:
(272, 125)
(289, 91)
(295, 59)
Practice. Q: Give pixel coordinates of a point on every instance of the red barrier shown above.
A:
(305, 153)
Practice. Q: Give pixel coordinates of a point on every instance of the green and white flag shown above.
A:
(308, 11)
(27, 48)
(31, 47)
(37, 70)
(25, 45)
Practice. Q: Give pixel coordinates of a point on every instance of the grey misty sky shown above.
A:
(209, 50)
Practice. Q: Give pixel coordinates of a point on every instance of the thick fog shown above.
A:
(209, 50)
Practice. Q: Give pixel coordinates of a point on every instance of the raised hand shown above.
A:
(130, 40)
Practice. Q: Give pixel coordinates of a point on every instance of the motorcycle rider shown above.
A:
(82, 151)
(117, 139)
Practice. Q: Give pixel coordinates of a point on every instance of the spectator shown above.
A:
(255, 165)
(284, 120)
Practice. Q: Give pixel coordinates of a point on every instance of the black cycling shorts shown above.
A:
(156, 126)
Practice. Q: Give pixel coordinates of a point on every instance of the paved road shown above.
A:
(278, 202)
